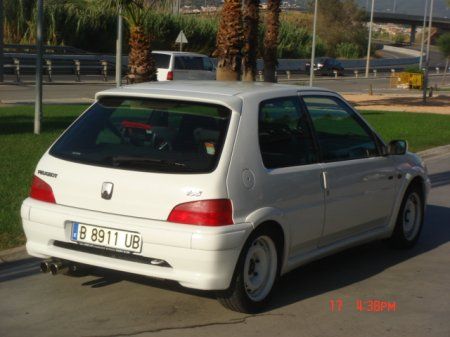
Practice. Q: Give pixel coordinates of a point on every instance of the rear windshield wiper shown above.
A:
(119, 160)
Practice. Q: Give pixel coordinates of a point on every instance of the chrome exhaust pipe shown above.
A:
(45, 266)
(57, 267)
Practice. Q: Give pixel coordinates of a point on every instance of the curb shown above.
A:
(27, 83)
(62, 101)
(435, 152)
(13, 254)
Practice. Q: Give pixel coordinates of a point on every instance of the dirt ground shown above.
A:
(439, 104)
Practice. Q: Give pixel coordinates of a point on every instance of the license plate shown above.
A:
(107, 237)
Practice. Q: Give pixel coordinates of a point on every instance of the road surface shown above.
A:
(85, 92)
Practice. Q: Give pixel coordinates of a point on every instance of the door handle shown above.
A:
(325, 182)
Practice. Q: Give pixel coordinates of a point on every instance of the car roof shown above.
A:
(229, 93)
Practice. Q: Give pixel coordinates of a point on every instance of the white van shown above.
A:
(174, 65)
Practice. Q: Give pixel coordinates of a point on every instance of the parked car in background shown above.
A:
(174, 65)
(326, 67)
(219, 186)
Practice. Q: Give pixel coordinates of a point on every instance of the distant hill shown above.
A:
(413, 7)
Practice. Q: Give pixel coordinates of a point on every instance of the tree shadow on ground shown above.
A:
(440, 179)
(328, 274)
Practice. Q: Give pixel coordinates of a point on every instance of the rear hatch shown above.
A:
(162, 65)
(193, 67)
(139, 157)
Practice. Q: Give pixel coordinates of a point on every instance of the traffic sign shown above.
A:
(181, 39)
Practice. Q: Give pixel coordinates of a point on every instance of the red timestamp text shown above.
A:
(369, 305)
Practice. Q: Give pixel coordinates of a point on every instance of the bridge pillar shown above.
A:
(412, 36)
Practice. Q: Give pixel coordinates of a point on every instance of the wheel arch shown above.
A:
(419, 182)
(416, 180)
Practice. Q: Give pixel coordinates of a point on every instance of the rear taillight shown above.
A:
(170, 76)
(42, 191)
(216, 212)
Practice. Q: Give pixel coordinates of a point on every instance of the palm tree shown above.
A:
(141, 64)
(229, 41)
(250, 18)
(271, 40)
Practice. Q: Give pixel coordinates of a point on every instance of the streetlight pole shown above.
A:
(370, 39)
(1, 41)
(313, 52)
(427, 59)
(39, 38)
(422, 43)
(119, 48)
(430, 24)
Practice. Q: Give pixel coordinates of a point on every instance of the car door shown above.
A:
(360, 182)
(292, 174)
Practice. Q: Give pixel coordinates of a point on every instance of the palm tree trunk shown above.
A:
(271, 40)
(250, 16)
(229, 42)
(142, 67)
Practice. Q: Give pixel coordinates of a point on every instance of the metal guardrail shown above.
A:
(21, 64)
(80, 64)
(31, 49)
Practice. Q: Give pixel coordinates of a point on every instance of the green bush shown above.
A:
(413, 70)
(90, 26)
(348, 50)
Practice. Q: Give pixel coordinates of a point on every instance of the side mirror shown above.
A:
(397, 147)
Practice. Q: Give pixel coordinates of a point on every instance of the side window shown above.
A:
(179, 64)
(189, 62)
(207, 64)
(341, 135)
(284, 135)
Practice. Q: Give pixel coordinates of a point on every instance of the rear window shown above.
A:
(162, 60)
(147, 135)
(192, 63)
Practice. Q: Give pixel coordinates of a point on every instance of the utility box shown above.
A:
(407, 80)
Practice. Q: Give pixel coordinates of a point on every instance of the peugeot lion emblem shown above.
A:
(107, 190)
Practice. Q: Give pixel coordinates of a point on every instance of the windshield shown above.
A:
(150, 135)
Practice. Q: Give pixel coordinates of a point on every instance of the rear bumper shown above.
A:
(199, 257)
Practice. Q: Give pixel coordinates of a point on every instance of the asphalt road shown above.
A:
(415, 283)
(85, 92)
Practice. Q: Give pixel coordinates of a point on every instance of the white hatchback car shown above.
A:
(219, 186)
(175, 65)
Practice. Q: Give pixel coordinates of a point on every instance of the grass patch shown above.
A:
(20, 149)
(422, 131)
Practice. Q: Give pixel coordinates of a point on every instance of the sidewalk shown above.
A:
(404, 102)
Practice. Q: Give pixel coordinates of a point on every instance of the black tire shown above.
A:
(237, 297)
(401, 237)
